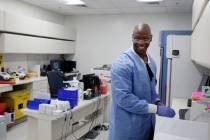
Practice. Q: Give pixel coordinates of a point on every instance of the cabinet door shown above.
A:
(11, 43)
(198, 7)
(201, 39)
(1, 20)
(33, 26)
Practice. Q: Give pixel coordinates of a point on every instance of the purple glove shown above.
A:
(165, 111)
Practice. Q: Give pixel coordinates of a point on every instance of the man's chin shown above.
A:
(142, 53)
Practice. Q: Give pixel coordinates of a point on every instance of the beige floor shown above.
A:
(19, 132)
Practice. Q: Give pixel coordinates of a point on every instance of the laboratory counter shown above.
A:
(72, 124)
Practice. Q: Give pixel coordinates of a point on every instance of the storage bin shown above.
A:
(70, 95)
(34, 104)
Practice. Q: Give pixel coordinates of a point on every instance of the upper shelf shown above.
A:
(18, 44)
(32, 26)
(21, 34)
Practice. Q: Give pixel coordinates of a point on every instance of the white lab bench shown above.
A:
(35, 85)
(176, 129)
(197, 128)
(45, 127)
(5, 88)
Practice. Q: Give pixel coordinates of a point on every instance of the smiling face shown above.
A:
(141, 39)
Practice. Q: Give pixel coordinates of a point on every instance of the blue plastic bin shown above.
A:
(34, 104)
(67, 93)
(43, 101)
(70, 95)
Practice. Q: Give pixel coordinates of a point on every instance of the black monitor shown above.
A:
(55, 80)
(91, 81)
(68, 66)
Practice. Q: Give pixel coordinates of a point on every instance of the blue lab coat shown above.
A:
(132, 90)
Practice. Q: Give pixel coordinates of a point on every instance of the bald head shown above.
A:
(141, 38)
(142, 28)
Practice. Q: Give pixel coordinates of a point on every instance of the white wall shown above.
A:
(13, 61)
(22, 8)
(101, 38)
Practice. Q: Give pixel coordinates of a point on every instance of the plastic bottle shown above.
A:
(75, 83)
(103, 89)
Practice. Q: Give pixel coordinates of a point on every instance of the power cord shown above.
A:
(62, 132)
(94, 117)
(97, 111)
(72, 129)
(69, 117)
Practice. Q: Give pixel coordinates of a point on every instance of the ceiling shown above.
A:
(115, 6)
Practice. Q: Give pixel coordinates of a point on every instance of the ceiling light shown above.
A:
(149, 0)
(74, 2)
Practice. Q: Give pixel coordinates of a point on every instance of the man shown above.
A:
(134, 98)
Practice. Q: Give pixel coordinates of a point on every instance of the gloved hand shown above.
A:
(165, 111)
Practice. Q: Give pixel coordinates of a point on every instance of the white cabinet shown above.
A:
(198, 8)
(33, 26)
(21, 34)
(11, 43)
(201, 41)
(1, 20)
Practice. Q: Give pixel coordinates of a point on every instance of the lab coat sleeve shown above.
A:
(122, 95)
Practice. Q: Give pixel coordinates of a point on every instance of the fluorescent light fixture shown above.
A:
(74, 2)
(149, 0)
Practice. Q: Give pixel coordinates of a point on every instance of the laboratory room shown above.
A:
(104, 70)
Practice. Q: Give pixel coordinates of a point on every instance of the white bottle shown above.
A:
(74, 83)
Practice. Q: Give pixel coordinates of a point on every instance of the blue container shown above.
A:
(34, 104)
(31, 104)
(43, 101)
(70, 95)
(67, 93)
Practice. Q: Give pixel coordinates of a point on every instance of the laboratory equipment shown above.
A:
(68, 66)
(55, 65)
(55, 80)
(4, 76)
